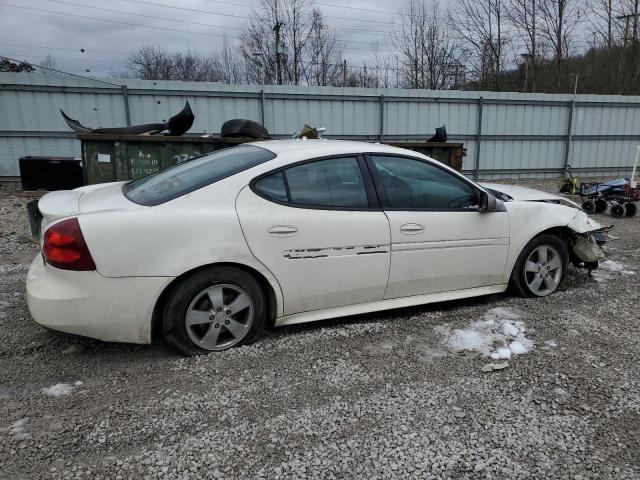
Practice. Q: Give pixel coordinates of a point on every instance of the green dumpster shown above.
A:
(110, 158)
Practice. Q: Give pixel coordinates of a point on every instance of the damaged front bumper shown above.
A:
(589, 236)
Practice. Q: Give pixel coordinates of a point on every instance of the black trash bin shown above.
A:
(51, 173)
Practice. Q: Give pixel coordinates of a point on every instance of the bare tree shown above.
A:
(481, 23)
(151, 63)
(49, 64)
(228, 65)
(323, 55)
(602, 20)
(629, 14)
(523, 16)
(308, 51)
(425, 48)
(559, 18)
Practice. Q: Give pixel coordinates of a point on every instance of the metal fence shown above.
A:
(506, 134)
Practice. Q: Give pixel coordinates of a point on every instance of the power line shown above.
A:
(131, 24)
(83, 50)
(354, 29)
(84, 61)
(64, 2)
(327, 16)
(138, 24)
(62, 72)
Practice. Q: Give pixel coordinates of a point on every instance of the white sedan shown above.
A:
(207, 253)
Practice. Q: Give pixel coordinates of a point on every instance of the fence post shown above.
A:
(567, 146)
(476, 166)
(262, 107)
(381, 132)
(125, 98)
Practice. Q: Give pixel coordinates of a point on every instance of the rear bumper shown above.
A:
(88, 304)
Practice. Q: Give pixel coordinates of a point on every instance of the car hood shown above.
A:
(526, 194)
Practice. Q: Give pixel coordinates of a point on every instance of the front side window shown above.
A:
(331, 183)
(191, 175)
(414, 184)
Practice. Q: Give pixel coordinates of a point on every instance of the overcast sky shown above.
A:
(110, 31)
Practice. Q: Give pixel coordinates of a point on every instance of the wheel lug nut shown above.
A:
(212, 317)
(228, 312)
(217, 325)
(219, 309)
(226, 322)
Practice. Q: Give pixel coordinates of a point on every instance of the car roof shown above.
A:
(328, 147)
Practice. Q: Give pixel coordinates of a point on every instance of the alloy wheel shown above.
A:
(219, 317)
(543, 270)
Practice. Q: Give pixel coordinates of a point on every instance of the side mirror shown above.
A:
(488, 202)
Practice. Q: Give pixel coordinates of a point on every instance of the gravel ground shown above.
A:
(373, 396)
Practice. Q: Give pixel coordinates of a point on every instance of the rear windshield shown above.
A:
(193, 174)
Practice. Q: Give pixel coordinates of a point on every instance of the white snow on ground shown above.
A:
(609, 269)
(60, 389)
(499, 335)
(17, 429)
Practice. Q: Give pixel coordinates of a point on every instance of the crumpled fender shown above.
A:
(529, 219)
(581, 223)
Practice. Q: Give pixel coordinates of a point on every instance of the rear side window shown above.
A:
(331, 183)
(272, 187)
(193, 174)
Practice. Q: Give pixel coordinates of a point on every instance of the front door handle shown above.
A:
(283, 231)
(412, 228)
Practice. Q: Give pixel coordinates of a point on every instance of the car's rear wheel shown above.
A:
(213, 310)
(541, 266)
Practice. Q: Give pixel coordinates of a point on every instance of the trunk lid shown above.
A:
(83, 200)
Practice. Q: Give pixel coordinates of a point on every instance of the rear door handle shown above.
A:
(412, 228)
(283, 231)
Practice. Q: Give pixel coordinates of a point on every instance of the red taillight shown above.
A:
(65, 248)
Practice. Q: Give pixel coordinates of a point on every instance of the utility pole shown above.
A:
(276, 29)
(344, 72)
(534, 42)
(631, 36)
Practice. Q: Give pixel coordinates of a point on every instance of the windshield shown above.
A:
(193, 174)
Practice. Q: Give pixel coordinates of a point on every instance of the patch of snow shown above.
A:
(18, 426)
(517, 348)
(17, 429)
(470, 339)
(501, 353)
(499, 335)
(611, 266)
(608, 269)
(58, 390)
(510, 330)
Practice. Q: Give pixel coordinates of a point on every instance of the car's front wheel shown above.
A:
(541, 266)
(213, 310)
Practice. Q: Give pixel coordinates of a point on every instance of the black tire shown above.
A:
(589, 206)
(617, 210)
(181, 297)
(601, 205)
(243, 128)
(630, 209)
(518, 276)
